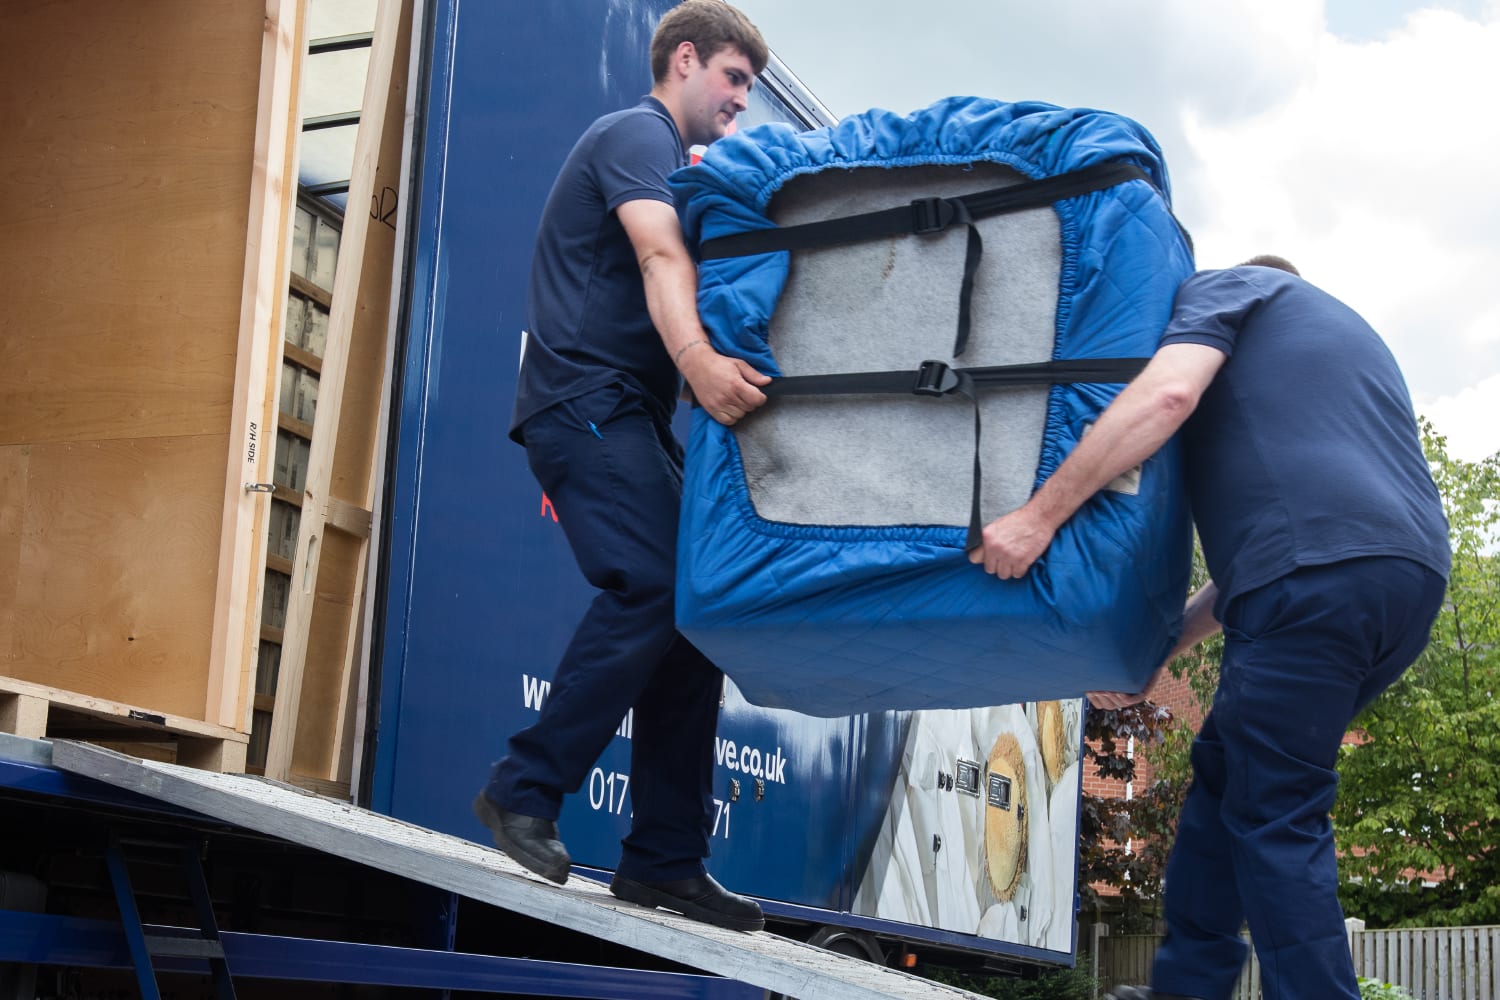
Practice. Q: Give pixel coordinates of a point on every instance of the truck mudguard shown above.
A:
(947, 300)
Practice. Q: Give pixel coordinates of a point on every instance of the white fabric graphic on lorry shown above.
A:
(1063, 816)
(929, 863)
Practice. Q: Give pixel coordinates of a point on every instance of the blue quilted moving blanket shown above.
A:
(821, 556)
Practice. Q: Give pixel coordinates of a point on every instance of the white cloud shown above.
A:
(1470, 420)
(1375, 179)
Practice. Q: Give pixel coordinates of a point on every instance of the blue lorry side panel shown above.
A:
(481, 593)
(832, 619)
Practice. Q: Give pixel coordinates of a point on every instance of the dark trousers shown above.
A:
(614, 475)
(1302, 656)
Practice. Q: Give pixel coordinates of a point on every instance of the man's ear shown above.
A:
(685, 59)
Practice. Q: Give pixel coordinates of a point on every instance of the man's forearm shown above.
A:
(668, 273)
(1131, 429)
(1135, 426)
(672, 300)
(1198, 621)
(726, 387)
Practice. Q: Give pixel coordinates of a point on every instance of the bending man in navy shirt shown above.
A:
(1328, 554)
(613, 331)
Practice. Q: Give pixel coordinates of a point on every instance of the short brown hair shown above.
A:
(711, 25)
(1271, 260)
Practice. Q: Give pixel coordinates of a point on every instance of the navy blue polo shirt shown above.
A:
(1304, 450)
(587, 322)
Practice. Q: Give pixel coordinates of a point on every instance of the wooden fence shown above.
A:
(1432, 963)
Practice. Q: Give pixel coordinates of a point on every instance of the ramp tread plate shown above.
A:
(484, 874)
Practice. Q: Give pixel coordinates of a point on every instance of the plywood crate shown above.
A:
(147, 151)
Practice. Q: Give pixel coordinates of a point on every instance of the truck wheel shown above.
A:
(844, 941)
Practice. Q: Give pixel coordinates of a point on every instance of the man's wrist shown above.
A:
(1043, 516)
(677, 358)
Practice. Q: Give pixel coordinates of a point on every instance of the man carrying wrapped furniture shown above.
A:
(1327, 547)
(613, 320)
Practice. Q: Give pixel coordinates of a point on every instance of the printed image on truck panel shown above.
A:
(981, 832)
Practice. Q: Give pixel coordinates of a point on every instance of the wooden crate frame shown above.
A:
(134, 415)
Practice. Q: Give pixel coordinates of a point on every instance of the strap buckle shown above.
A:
(935, 378)
(931, 215)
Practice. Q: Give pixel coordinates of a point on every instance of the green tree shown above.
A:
(1420, 792)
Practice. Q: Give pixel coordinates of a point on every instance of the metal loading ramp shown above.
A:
(761, 959)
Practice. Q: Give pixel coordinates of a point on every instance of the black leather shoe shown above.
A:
(530, 841)
(1141, 993)
(697, 898)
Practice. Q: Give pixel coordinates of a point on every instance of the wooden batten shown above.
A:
(356, 680)
(308, 729)
(252, 432)
(379, 317)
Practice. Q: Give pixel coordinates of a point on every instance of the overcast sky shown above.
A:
(1359, 138)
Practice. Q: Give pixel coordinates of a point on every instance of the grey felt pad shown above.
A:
(892, 304)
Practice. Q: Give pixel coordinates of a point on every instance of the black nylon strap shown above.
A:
(972, 253)
(908, 381)
(935, 378)
(924, 215)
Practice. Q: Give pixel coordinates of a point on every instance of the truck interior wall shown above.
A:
(129, 156)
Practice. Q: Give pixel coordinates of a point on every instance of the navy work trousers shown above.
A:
(1302, 656)
(614, 476)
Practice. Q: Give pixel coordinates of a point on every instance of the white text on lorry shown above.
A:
(767, 764)
(534, 691)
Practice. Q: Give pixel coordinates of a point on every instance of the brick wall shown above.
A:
(1174, 693)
